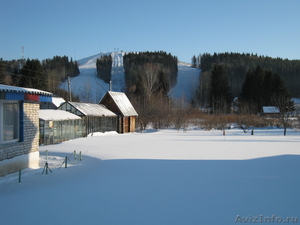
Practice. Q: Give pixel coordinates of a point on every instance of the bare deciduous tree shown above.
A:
(285, 106)
(148, 79)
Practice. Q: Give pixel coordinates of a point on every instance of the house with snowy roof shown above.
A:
(96, 117)
(118, 103)
(19, 127)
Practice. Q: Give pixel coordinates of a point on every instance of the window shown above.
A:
(9, 121)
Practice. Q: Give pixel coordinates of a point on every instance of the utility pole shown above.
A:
(69, 89)
(110, 85)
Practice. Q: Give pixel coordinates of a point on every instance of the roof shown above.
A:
(270, 109)
(8, 88)
(51, 114)
(90, 109)
(122, 103)
(57, 101)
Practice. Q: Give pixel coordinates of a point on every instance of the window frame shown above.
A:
(18, 122)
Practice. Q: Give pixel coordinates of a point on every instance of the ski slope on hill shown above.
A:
(90, 88)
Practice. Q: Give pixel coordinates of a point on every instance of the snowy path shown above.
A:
(164, 177)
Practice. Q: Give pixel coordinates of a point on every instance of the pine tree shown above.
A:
(252, 89)
(33, 75)
(194, 61)
(2, 71)
(220, 95)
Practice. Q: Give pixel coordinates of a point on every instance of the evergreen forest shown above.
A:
(104, 65)
(237, 66)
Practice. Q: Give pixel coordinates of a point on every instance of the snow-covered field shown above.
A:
(161, 177)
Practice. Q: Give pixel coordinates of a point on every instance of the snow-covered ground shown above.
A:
(161, 177)
(91, 89)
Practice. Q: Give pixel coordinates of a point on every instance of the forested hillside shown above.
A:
(237, 65)
(147, 72)
(45, 75)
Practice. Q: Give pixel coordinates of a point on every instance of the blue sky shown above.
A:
(79, 29)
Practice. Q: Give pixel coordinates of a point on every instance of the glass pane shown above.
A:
(10, 121)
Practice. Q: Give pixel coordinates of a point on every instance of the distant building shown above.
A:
(270, 111)
(96, 118)
(118, 103)
(19, 127)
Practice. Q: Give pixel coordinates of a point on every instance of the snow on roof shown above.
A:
(91, 109)
(50, 114)
(8, 88)
(57, 101)
(270, 109)
(296, 100)
(123, 103)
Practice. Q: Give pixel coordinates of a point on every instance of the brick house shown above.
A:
(19, 127)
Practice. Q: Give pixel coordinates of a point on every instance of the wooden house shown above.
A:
(96, 117)
(19, 127)
(118, 103)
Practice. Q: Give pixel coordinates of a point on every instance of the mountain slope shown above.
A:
(90, 88)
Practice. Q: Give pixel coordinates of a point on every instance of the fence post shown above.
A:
(66, 163)
(80, 156)
(20, 176)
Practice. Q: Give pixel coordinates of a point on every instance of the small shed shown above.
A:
(270, 111)
(96, 118)
(120, 105)
(57, 126)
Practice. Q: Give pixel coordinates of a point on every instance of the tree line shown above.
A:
(46, 75)
(236, 67)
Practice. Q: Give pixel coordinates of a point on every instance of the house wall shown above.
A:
(24, 154)
(126, 124)
(95, 124)
(132, 123)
